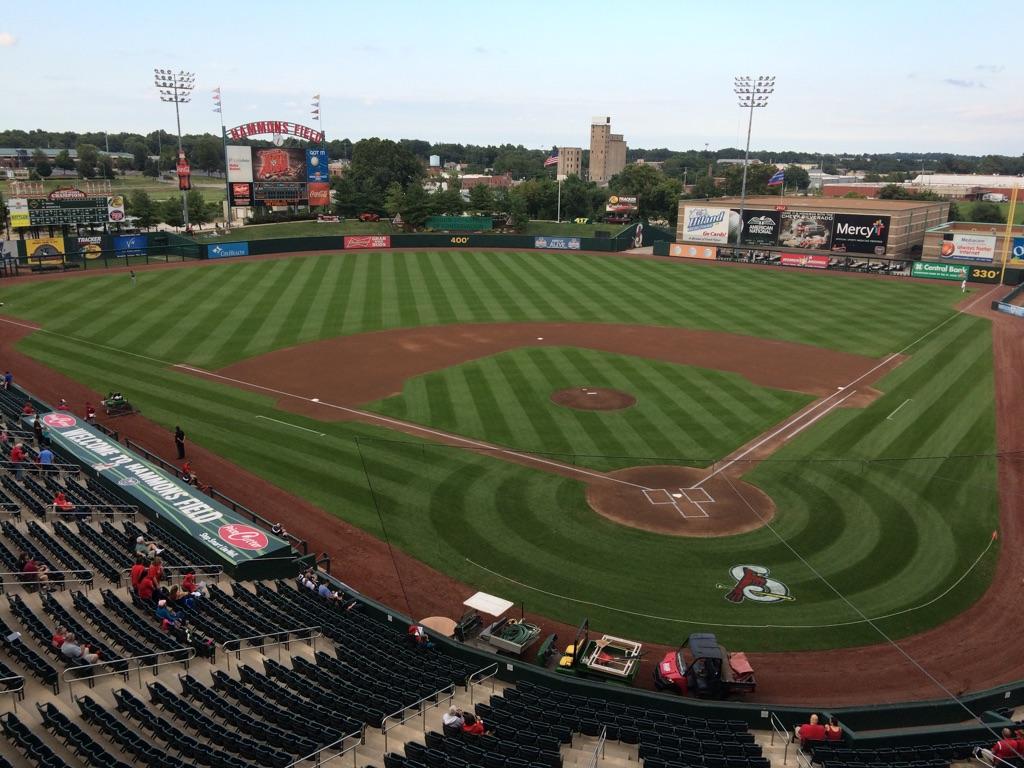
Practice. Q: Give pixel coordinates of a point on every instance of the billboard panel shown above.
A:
(855, 233)
(938, 270)
(115, 208)
(1017, 252)
(804, 260)
(241, 193)
(17, 208)
(278, 192)
(622, 204)
(319, 193)
(239, 163)
(129, 245)
(968, 246)
(557, 243)
(708, 252)
(48, 251)
(316, 165)
(806, 229)
(227, 250)
(704, 224)
(278, 164)
(760, 227)
(91, 247)
(367, 241)
(8, 250)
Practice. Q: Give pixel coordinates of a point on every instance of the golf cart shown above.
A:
(115, 404)
(711, 672)
(504, 632)
(610, 658)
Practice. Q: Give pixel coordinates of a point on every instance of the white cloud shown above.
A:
(7, 40)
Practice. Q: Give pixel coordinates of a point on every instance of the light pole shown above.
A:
(176, 87)
(752, 93)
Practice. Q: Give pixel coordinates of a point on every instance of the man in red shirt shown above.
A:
(146, 588)
(811, 731)
(156, 571)
(138, 571)
(18, 458)
(1006, 749)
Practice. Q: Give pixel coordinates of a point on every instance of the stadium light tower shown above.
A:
(176, 87)
(752, 93)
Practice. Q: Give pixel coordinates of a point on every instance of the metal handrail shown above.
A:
(384, 727)
(598, 748)
(313, 634)
(18, 693)
(78, 510)
(996, 760)
(32, 466)
(31, 580)
(318, 755)
(199, 570)
(492, 672)
(139, 666)
(783, 731)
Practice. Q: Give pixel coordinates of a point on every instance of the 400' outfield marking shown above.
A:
(705, 623)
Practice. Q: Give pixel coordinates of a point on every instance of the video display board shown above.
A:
(272, 176)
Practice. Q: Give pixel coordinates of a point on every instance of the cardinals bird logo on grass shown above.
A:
(752, 583)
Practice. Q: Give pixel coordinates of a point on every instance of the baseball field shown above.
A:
(588, 435)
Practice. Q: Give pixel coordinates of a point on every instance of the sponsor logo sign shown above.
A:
(752, 583)
(1011, 309)
(938, 270)
(367, 241)
(557, 243)
(968, 247)
(239, 163)
(224, 532)
(806, 229)
(621, 204)
(17, 209)
(325, 218)
(90, 247)
(316, 165)
(854, 233)
(804, 260)
(129, 245)
(319, 194)
(705, 225)
(1017, 252)
(760, 227)
(279, 164)
(275, 128)
(67, 193)
(241, 193)
(8, 249)
(707, 252)
(227, 250)
(45, 251)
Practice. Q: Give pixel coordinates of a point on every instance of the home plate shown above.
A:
(540, 338)
(677, 495)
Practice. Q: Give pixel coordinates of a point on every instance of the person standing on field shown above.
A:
(132, 273)
(963, 286)
(179, 442)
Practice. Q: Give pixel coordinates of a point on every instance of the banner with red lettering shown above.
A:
(804, 260)
(367, 241)
(276, 128)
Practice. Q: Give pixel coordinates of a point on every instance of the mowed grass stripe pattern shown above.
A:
(214, 315)
(683, 414)
(893, 533)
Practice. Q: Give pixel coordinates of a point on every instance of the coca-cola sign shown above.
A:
(243, 536)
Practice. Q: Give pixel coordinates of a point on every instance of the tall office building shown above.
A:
(607, 150)
(570, 162)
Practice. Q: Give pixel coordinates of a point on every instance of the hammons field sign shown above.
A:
(200, 521)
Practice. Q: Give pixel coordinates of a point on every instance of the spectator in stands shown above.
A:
(278, 530)
(1007, 748)
(189, 585)
(325, 591)
(833, 731)
(178, 598)
(138, 571)
(61, 504)
(45, 457)
(452, 721)
(810, 731)
(72, 651)
(18, 458)
(5, 436)
(308, 581)
(156, 571)
(8, 380)
(148, 549)
(147, 589)
(63, 406)
(59, 636)
(27, 409)
(37, 429)
(419, 636)
(473, 726)
(90, 413)
(179, 442)
(165, 613)
(31, 571)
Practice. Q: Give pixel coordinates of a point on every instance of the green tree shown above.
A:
(41, 163)
(987, 213)
(797, 178)
(141, 205)
(140, 153)
(394, 199)
(954, 212)
(418, 206)
(449, 202)
(893, 192)
(88, 156)
(208, 154)
(481, 199)
(757, 179)
(64, 161)
(378, 163)
(105, 167)
(705, 187)
(198, 213)
(577, 198)
(518, 217)
(150, 169)
(170, 212)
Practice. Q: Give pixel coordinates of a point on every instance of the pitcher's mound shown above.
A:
(593, 399)
(681, 501)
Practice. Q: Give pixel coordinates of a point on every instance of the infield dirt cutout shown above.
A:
(329, 379)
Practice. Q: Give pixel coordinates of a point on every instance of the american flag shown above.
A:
(553, 160)
(778, 179)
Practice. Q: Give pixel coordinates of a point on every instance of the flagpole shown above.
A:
(559, 199)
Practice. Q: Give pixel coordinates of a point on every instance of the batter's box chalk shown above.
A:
(698, 495)
(659, 496)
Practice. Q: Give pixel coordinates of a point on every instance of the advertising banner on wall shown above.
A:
(367, 241)
(241, 194)
(17, 209)
(557, 243)
(205, 522)
(279, 164)
(967, 246)
(316, 165)
(129, 245)
(708, 252)
(1017, 252)
(239, 163)
(90, 247)
(45, 250)
(227, 250)
(115, 208)
(806, 229)
(760, 227)
(705, 224)
(854, 233)
(809, 260)
(8, 250)
(621, 204)
(938, 270)
(319, 193)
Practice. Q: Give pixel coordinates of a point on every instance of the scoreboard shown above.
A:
(279, 192)
(54, 213)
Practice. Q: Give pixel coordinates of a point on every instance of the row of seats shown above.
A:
(316, 705)
(938, 754)
(36, 665)
(28, 744)
(98, 561)
(82, 745)
(75, 568)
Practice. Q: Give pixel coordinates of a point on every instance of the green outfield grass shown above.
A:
(681, 411)
(875, 513)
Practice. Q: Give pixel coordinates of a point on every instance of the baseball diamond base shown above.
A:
(681, 501)
(593, 399)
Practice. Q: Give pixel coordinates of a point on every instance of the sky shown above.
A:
(855, 76)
